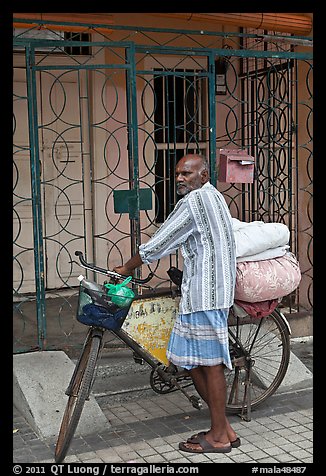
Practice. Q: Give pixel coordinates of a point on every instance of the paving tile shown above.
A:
(155, 459)
(173, 456)
(146, 452)
(241, 458)
(300, 453)
(284, 457)
(307, 460)
(306, 444)
(257, 454)
(269, 459)
(87, 456)
(285, 432)
(139, 445)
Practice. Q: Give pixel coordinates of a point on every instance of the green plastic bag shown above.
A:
(120, 294)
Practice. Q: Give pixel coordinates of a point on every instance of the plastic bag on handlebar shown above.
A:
(120, 294)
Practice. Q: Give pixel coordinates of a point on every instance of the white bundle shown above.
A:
(257, 240)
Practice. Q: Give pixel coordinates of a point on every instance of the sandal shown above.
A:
(205, 447)
(194, 439)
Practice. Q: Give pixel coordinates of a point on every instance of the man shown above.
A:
(201, 226)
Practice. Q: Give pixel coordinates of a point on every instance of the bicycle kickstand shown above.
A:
(246, 405)
(195, 401)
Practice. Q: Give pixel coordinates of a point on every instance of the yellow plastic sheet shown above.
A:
(150, 323)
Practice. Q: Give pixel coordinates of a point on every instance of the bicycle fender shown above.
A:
(284, 319)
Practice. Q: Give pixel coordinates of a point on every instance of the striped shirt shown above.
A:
(201, 226)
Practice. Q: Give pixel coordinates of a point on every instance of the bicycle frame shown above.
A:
(171, 376)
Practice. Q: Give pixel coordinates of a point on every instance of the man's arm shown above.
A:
(127, 269)
(174, 231)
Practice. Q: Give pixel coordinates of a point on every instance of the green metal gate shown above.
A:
(108, 125)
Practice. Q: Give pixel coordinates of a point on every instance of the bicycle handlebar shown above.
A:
(107, 272)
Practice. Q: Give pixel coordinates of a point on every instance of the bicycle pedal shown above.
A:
(138, 360)
(196, 402)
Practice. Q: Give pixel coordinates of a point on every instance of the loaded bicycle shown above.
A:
(259, 349)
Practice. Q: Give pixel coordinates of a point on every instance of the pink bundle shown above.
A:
(269, 279)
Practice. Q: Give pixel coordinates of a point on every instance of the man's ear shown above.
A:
(204, 176)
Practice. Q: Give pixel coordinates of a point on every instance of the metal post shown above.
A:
(36, 198)
(212, 117)
(133, 145)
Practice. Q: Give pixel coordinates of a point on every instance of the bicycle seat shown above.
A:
(175, 275)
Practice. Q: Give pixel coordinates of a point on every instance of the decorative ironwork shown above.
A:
(119, 119)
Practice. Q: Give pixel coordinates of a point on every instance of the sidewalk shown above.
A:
(148, 430)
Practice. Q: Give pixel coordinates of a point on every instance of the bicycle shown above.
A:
(259, 349)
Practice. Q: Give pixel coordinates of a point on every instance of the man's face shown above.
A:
(189, 175)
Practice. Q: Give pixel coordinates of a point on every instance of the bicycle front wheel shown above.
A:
(260, 349)
(78, 391)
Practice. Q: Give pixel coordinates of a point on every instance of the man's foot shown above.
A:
(204, 446)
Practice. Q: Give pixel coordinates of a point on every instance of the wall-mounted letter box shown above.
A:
(235, 166)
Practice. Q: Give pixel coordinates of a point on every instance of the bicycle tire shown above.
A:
(80, 387)
(266, 343)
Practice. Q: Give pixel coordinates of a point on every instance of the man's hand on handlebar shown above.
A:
(128, 268)
(123, 270)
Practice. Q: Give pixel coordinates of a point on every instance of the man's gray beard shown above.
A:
(183, 193)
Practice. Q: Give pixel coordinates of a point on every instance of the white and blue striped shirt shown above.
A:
(201, 226)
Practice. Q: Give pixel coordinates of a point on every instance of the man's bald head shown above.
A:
(191, 173)
(197, 160)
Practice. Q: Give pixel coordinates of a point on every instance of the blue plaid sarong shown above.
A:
(200, 338)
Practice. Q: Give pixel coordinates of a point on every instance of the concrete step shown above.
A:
(39, 382)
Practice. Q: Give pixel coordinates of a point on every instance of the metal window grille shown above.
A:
(42, 34)
(181, 123)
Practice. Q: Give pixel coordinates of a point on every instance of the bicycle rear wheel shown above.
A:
(78, 391)
(261, 346)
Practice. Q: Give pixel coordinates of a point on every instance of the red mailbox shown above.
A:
(236, 166)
